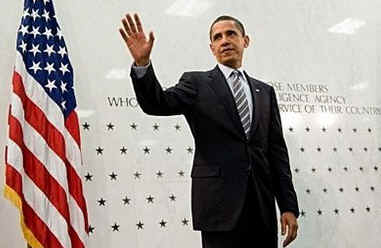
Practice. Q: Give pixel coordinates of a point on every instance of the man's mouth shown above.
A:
(227, 50)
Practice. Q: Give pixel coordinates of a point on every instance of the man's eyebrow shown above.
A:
(216, 35)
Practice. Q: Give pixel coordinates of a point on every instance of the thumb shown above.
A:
(283, 225)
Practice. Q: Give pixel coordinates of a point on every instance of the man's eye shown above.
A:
(217, 37)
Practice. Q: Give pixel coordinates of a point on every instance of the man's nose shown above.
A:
(225, 41)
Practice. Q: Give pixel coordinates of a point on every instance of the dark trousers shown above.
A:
(248, 233)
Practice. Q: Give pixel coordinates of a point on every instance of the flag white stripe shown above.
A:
(37, 200)
(34, 142)
(73, 154)
(54, 165)
(77, 221)
(53, 113)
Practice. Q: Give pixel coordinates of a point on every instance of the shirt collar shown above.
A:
(226, 70)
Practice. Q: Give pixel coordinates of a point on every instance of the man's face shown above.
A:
(227, 43)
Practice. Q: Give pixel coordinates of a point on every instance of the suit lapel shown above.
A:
(221, 89)
(256, 92)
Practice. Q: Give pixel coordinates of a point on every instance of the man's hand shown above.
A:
(135, 39)
(288, 219)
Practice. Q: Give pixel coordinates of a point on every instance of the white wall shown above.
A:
(330, 43)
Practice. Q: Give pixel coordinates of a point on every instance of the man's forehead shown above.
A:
(224, 25)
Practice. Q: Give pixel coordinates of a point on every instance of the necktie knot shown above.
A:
(235, 74)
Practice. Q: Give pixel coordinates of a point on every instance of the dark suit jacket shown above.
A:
(224, 159)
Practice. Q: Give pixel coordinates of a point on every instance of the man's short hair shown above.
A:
(238, 24)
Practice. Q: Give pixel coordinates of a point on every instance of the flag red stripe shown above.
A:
(13, 179)
(54, 139)
(39, 229)
(38, 173)
(43, 156)
(41, 177)
(75, 240)
(71, 124)
(37, 119)
(75, 185)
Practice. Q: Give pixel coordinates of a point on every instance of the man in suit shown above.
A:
(241, 163)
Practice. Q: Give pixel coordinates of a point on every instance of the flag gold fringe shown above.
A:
(13, 197)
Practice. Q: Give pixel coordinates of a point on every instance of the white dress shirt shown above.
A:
(227, 72)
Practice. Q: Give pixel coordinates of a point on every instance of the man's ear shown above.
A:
(212, 48)
(247, 41)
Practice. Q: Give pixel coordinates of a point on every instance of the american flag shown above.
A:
(43, 156)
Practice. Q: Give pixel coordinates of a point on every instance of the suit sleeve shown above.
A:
(278, 157)
(154, 100)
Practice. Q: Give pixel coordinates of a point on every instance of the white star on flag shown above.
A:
(35, 14)
(35, 67)
(49, 67)
(59, 33)
(63, 87)
(50, 85)
(35, 32)
(49, 50)
(48, 33)
(63, 104)
(26, 13)
(23, 46)
(46, 15)
(62, 51)
(43, 157)
(35, 49)
(64, 68)
(24, 30)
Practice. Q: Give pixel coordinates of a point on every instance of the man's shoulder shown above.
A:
(260, 83)
(200, 73)
(263, 84)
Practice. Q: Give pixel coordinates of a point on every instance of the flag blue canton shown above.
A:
(42, 46)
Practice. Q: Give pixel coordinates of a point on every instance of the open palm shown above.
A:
(136, 40)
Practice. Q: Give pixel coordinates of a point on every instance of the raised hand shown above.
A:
(135, 39)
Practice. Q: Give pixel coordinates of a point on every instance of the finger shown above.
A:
(138, 23)
(291, 234)
(287, 240)
(126, 27)
(131, 23)
(294, 232)
(283, 225)
(123, 34)
(151, 38)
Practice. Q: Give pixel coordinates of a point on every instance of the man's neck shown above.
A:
(226, 70)
(235, 66)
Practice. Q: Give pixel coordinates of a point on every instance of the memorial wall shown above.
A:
(323, 59)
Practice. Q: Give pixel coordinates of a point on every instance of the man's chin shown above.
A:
(228, 62)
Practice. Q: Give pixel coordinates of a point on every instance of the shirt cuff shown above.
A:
(140, 71)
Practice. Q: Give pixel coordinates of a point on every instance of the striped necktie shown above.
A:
(241, 101)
